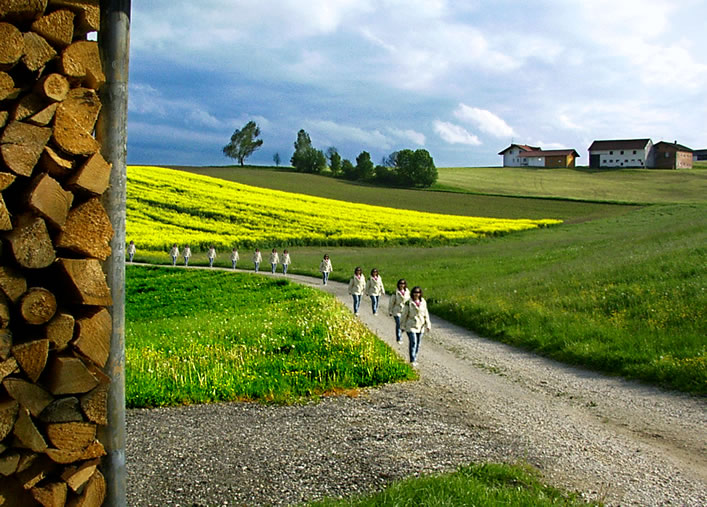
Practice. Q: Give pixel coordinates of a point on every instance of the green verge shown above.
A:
(481, 484)
(625, 295)
(197, 336)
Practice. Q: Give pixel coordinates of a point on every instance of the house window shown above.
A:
(666, 154)
(622, 152)
(611, 153)
(634, 152)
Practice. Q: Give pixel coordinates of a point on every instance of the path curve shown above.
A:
(617, 441)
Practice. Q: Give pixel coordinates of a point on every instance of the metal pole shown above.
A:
(114, 44)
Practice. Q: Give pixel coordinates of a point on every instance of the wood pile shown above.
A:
(55, 329)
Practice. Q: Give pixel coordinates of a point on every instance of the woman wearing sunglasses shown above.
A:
(415, 320)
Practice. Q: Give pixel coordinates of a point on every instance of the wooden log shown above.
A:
(53, 87)
(32, 357)
(66, 457)
(95, 404)
(38, 52)
(7, 85)
(12, 283)
(8, 415)
(88, 16)
(43, 117)
(29, 395)
(59, 331)
(11, 45)
(74, 121)
(82, 63)
(92, 177)
(69, 375)
(76, 476)
(47, 198)
(27, 106)
(62, 410)
(55, 163)
(85, 281)
(27, 433)
(93, 495)
(9, 462)
(8, 367)
(71, 436)
(5, 344)
(87, 230)
(37, 306)
(4, 311)
(40, 468)
(56, 27)
(5, 220)
(4, 116)
(6, 179)
(21, 145)
(52, 494)
(30, 243)
(93, 336)
(22, 10)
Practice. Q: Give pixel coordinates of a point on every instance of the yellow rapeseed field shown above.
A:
(165, 206)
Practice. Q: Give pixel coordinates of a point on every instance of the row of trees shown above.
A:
(406, 168)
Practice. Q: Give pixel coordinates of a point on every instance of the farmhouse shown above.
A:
(621, 153)
(511, 155)
(699, 155)
(672, 156)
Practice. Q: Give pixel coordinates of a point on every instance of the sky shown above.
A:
(462, 79)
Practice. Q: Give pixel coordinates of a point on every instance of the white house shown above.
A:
(621, 153)
(511, 155)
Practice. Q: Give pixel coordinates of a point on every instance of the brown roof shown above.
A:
(619, 144)
(523, 147)
(678, 147)
(549, 153)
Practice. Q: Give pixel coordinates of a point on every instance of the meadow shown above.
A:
(165, 206)
(196, 336)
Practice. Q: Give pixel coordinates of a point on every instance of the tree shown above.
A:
(276, 159)
(348, 169)
(306, 158)
(415, 168)
(364, 166)
(243, 142)
(334, 160)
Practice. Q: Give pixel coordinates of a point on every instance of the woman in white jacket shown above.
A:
(325, 268)
(257, 259)
(234, 257)
(211, 255)
(357, 286)
(174, 253)
(415, 320)
(375, 289)
(285, 261)
(396, 304)
(274, 260)
(186, 254)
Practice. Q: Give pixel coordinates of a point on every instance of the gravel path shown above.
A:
(616, 441)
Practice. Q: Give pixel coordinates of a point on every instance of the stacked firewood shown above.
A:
(55, 329)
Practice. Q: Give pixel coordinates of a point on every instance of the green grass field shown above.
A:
(197, 336)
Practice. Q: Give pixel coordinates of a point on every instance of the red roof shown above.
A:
(678, 147)
(619, 144)
(523, 147)
(549, 153)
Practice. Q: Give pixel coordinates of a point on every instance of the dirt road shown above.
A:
(617, 441)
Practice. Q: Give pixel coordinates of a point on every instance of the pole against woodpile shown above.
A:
(114, 43)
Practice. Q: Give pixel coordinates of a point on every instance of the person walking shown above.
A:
(187, 255)
(357, 286)
(274, 260)
(212, 256)
(257, 259)
(415, 320)
(285, 261)
(174, 253)
(396, 304)
(375, 289)
(234, 257)
(131, 250)
(325, 268)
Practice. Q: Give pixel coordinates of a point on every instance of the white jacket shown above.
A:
(357, 285)
(274, 258)
(131, 248)
(212, 253)
(234, 255)
(325, 266)
(286, 259)
(415, 318)
(374, 286)
(187, 252)
(257, 257)
(174, 252)
(397, 301)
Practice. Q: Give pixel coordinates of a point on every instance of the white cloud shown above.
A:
(454, 134)
(408, 134)
(333, 133)
(485, 120)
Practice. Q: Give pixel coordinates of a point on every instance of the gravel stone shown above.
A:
(616, 441)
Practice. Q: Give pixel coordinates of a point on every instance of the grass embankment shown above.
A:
(483, 484)
(626, 295)
(195, 336)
